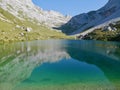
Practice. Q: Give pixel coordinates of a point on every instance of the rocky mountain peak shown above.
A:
(26, 9)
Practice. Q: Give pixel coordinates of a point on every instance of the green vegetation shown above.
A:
(9, 32)
(104, 35)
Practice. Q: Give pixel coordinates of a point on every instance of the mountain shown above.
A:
(26, 9)
(94, 19)
(21, 20)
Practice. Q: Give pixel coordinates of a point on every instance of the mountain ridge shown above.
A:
(22, 28)
(26, 9)
(93, 19)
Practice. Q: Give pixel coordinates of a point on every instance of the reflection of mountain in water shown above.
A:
(17, 61)
(106, 56)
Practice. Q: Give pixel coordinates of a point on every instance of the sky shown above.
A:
(70, 7)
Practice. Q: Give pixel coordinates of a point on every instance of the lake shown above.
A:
(60, 65)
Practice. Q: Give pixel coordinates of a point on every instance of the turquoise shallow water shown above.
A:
(60, 65)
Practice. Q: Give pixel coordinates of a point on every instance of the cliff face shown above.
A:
(25, 9)
(105, 15)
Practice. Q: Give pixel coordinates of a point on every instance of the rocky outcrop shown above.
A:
(27, 29)
(25, 9)
(94, 19)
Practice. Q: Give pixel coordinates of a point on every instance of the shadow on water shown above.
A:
(105, 55)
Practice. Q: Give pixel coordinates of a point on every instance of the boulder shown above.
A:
(109, 28)
(17, 26)
(28, 29)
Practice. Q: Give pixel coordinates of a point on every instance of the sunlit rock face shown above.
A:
(17, 61)
(94, 19)
(25, 9)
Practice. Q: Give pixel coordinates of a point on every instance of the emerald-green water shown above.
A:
(60, 65)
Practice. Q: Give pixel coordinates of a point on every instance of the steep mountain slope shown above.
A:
(27, 24)
(27, 10)
(94, 19)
